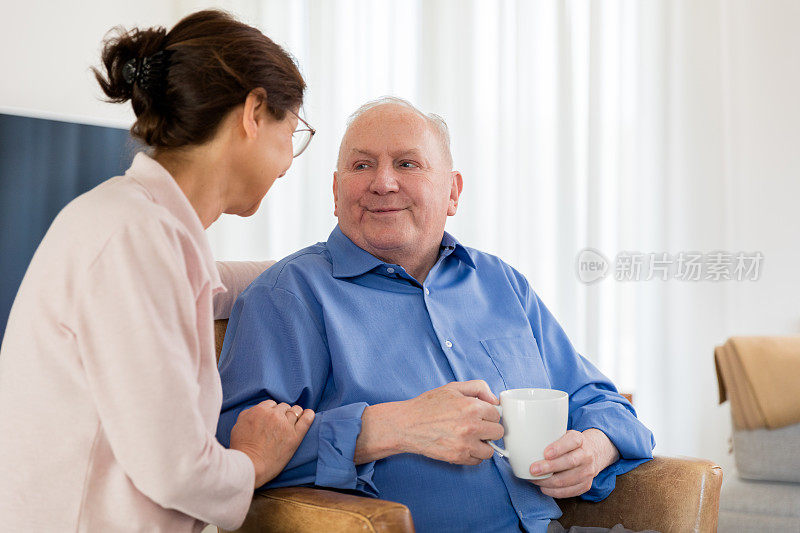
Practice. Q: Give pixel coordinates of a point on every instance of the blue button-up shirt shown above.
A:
(335, 329)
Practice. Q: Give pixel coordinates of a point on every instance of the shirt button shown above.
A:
(390, 270)
(427, 291)
(448, 344)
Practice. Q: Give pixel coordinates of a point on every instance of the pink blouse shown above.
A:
(109, 391)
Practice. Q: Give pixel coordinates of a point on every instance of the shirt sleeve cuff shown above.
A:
(631, 438)
(240, 504)
(338, 432)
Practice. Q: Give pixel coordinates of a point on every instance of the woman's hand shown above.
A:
(574, 460)
(269, 434)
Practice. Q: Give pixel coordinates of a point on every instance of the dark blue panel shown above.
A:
(44, 164)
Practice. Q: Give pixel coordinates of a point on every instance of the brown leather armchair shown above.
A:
(666, 494)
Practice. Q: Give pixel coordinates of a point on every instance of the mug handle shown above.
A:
(494, 446)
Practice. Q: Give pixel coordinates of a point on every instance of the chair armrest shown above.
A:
(665, 494)
(307, 510)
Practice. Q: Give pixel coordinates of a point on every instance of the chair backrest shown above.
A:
(219, 334)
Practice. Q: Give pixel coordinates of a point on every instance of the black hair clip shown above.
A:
(150, 73)
(129, 71)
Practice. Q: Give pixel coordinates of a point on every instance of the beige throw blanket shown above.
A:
(761, 378)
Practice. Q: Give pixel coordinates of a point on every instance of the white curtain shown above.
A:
(575, 124)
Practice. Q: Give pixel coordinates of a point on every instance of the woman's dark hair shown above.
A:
(183, 82)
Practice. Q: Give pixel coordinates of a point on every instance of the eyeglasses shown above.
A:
(301, 136)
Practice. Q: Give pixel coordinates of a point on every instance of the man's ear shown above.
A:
(456, 186)
(335, 195)
(253, 115)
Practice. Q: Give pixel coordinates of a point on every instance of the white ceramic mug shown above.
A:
(532, 419)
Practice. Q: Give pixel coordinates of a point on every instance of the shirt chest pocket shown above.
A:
(518, 361)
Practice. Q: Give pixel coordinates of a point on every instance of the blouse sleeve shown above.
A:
(236, 276)
(139, 343)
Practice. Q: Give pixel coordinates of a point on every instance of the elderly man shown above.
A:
(396, 335)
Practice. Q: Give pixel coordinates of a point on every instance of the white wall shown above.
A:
(735, 165)
(762, 141)
(763, 127)
(49, 46)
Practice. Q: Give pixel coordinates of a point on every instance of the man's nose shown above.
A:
(384, 181)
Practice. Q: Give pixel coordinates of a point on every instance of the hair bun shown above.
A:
(126, 59)
(183, 83)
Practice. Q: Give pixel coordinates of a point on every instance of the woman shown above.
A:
(109, 392)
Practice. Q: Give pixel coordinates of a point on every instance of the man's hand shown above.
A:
(574, 460)
(449, 423)
(269, 434)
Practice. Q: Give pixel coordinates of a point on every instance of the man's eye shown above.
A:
(408, 164)
(360, 166)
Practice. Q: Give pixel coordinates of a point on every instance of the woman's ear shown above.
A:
(254, 107)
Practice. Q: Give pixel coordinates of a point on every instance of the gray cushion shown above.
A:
(768, 454)
(734, 522)
(760, 498)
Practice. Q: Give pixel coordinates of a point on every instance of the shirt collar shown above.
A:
(458, 250)
(349, 260)
(163, 190)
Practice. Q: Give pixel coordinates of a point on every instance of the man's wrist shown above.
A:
(379, 435)
(606, 453)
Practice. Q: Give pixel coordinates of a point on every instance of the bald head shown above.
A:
(394, 186)
(392, 110)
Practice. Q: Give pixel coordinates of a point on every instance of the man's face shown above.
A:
(394, 189)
